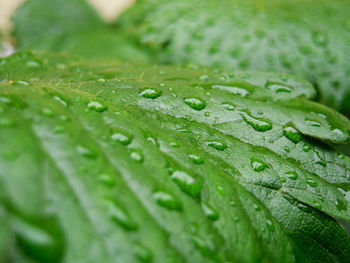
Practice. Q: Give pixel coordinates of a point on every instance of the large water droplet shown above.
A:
(217, 145)
(195, 103)
(118, 215)
(228, 106)
(233, 90)
(318, 160)
(150, 93)
(97, 106)
(187, 183)
(260, 125)
(167, 200)
(258, 165)
(209, 212)
(291, 133)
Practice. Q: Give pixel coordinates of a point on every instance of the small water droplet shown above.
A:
(306, 148)
(270, 225)
(236, 219)
(260, 125)
(313, 123)
(59, 129)
(318, 160)
(256, 207)
(221, 190)
(207, 114)
(341, 204)
(233, 203)
(286, 149)
(86, 152)
(311, 182)
(61, 100)
(195, 103)
(292, 175)
(217, 145)
(150, 93)
(47, 112)
(6, 122)
(278, 87)
(209, 212)
(143, 254)
(258, 165)
(167, 200)
(118, 215)
(317, 205)
(233, 90)
(121, 138)
(291, 133)
(196, 159)
(187, 183)
(100, 80)
(174, 144)
(136, 156)
(228, 106)
(64, 118)
(319, 38)
(204, 78)
(97, 106)
(106, 179)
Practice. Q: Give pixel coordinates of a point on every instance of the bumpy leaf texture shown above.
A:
(70, 26)
(102, 161)
(309, 38)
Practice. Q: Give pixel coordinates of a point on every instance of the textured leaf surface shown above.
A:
(308, 38)
(69, 26)
(102, 161)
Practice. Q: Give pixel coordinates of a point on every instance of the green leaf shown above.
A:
(307, 38)
(105, 161)
(69, 26)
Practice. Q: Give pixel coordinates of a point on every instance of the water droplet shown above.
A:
(221, 190)
(150, 93)
(318, 160)
(59, 129)
(136, 156)
(174, 144)
(204, 78)
(291, 133)
(306, 148)
(340, 155)
(86, 152)
(317, 205)
(313, 123)
(256, 207)
(270, 225)
(167, 200)
(207, 114)
(217, 145)
(195, 103)
(121, 138)
(47, 112)
(97, 106)
(260, 125)
(143, 254)
(5, 100)
(228, 106)
(311, 182)
(286, 149)
(278, 87)
(101, 80)
(106, 179)
(341, 204)
(6, 122)
(118, 215)
(292, 175)
(64, 118)
(319, 38)
(233, 90)
(187, 183)
(236, 219)
(258, 165)
(61, 100)
(209, 212)
(33, 63)
(233, 203)
(195, 158)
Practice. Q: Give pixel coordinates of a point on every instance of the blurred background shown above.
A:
(107, 9)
